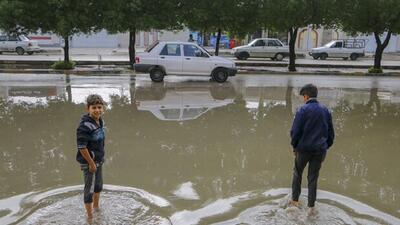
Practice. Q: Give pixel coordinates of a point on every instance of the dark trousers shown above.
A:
(93, 182)
(314, 164)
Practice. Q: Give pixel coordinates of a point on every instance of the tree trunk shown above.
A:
(69, 90)
(132, 50)
(205, 39)
(380, 47)
(292, 53)
(66, 49)
(217, 41)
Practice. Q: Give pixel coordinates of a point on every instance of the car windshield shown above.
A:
(151, 47)
(329, 44)
(23, 38)
(252, 42)
(205, 50)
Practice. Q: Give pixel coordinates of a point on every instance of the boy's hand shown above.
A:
(92, 167)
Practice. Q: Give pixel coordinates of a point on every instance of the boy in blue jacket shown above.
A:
(90, 155)
(312, 135)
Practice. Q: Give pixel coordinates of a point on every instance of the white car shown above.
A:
(182, 58)
(346, 48)
(19, 44)
(262, 48)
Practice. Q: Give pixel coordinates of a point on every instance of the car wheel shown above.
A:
(353, 56)
(20, 51)
(220, 75)
(323, 56)
(157, 75)
(30, 53)
(315, 57)
(279, 57)
(243, 56)
(345, 58)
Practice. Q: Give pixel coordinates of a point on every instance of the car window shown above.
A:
(171, 50)
(12, 38)
(277, 43)
(338, 45)
(192, 51)
(3, 38)
(23, 38)
(171, 113)
(272, 43)
(259, 43)
(192, 113)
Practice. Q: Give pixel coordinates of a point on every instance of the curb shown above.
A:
(240, 72)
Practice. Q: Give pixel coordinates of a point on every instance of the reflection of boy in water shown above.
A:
(312, 134)
(90, 141)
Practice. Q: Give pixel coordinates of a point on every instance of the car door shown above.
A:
(272, 48)
(170, 58)
(3, 43)
(12, 43)
(195, 61)
(336, 50)
(258, 49)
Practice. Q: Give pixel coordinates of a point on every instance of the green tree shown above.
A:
(235, 16)
(380, 17)
(139, 15)
(62, 17)
(290, 15)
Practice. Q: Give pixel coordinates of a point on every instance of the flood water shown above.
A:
(195, 152)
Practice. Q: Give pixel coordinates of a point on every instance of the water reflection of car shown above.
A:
(182, 101)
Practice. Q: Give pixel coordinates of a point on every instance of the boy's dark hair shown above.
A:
(310, 90)
(94, 100)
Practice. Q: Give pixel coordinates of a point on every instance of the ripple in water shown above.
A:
(118, 205)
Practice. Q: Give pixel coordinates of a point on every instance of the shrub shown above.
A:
(375, 70)
(62, 65)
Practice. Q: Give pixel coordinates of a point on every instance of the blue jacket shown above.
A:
(91, 136)
(312, 129)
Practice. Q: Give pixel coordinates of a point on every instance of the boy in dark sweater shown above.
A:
(312, 135)
(90, 155)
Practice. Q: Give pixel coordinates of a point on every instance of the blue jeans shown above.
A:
(93, 182)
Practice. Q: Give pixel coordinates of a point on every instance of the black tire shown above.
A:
(243, 56)
(220, 75)
(30, 53)
(354, 56)
(279, 57)
(323, 56)
(315, 57)
(20, 51)
(157, 75)
(345, 58)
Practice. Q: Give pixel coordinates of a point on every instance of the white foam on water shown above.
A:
(220, 206)
(354, 205)
(186, 191)
(13, 207)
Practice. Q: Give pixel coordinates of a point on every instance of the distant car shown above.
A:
(19, 44)
(346, 48)
(262, 48)
(182, 58)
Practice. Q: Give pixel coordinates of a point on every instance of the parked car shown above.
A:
(346, 48)
(19, 44)
(182, 58)
(262, 48)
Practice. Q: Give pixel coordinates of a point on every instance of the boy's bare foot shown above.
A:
(312, 211)
(294, 203)
(89, 210)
